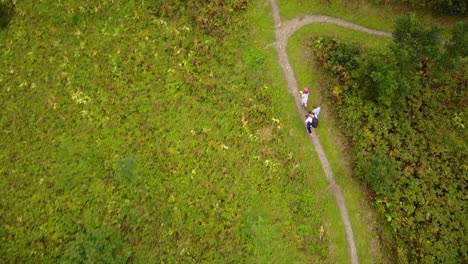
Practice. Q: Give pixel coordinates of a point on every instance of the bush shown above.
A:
(379, 172)
(6, 13)
(339, 57)
(416, 56)
(97, 245)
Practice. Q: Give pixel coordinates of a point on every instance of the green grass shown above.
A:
(333, 225)
(359, 12)
(294, 132)
(334, 234)
(364, 221)
(364, 13)
(366, 40)
(298, 140)
(334, 229)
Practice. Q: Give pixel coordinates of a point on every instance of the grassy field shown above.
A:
(144, 133)
(364, 13)
(162, 132)
(359, 12)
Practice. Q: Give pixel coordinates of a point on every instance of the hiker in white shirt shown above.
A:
(304, 97)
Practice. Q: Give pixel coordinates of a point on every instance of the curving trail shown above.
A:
(283, 31)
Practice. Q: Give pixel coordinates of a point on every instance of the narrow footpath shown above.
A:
(283, 31)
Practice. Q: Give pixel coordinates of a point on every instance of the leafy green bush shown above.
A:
(380, 75)
(341, 58)
(456, 48)
(380, 172)
(6, 12)
(416, 56)
(125, 173)
(97, 245)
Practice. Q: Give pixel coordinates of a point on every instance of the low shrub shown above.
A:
(6, 12)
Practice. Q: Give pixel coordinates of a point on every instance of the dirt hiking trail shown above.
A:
(283, 31)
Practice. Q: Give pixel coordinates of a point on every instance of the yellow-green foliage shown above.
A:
(134, 131)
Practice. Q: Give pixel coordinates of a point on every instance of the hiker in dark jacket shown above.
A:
(311, 122)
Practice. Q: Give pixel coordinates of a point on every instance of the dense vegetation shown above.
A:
(440, 6)
(146, 132)
(150, 132)
(6, 13)
(404, 110)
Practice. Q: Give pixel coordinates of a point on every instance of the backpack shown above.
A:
(314, 122)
